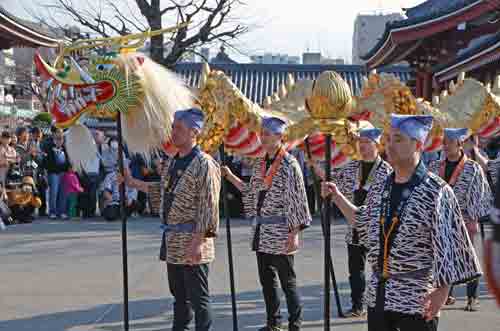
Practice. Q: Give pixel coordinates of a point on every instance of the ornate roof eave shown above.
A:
(483, 54)
(408, 31)
(29, 37)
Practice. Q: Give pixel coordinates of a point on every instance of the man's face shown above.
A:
(367, 148)
(59, 139)
(181, 134)
(99, 137)
(400, 147)
(38, 135)
(24, 137)
(451, 147)
(270, 140)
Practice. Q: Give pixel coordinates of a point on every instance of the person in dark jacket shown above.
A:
(37, 142)
(56, 163)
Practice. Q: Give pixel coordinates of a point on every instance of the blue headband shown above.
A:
(459, 134)
(274, 125)
(373, 134)
(413, 126)
(192, 118)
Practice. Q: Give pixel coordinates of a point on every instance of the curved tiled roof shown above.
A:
(475, 48)
(422, 13)
(434, 8)
(32, 34)
(257, 81)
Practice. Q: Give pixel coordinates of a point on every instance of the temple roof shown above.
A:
(432, 9)
(18, 32)
(258, 81)
(481, 51)
(428, 19)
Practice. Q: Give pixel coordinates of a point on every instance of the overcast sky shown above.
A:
(292, 26)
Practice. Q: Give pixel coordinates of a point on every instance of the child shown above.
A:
(71, 187)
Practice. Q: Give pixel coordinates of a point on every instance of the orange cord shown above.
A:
(395, 220)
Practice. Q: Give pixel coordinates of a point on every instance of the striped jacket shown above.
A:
(196, 199)
(286, 198)
(432, 241)
(346, 179)
(471, 189)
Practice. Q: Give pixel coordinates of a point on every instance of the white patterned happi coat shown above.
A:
(347, 178)
(471, 189)
(286, 198)
(432, 237)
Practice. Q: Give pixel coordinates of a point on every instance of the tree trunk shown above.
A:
(157, 51)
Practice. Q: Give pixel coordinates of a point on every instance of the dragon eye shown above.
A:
(103, 67)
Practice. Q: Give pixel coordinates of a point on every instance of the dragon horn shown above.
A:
(121, 41)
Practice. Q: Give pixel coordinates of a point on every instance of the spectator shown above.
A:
(154, 195)
(109, 156)
(111, 210)
(41, 175)
(24, 201)
(27, 153)
(139, 170)
(8, 156)
(71, 188)
(99, 138)
(13, 141)
(100, 141)
(91, 178)
(5, 212)
(23, 142)
(56, 162)
(47, 143)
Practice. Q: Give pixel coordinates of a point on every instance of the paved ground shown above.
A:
(67, 276)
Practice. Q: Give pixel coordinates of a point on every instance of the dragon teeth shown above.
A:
(82, 101)
(93, 94)
(72, 109)
(71, 90)
(57, 91)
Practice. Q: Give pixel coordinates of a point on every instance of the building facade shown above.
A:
(368, 27)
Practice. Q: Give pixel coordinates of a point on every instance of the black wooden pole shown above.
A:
(328, 210)
(124, 225)
(317, 189)
(229, 242)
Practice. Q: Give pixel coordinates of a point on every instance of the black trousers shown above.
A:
(189, 286)
(270, 268)
(472, 286)
(42, 191)
(357, 279)
(392, 321)
(88, 199)
(22, 214)
(112, 212)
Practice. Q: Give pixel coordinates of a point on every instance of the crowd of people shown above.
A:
(37, 166)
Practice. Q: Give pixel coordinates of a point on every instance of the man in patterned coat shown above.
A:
(276, 200)
(472, 190)
(413, 228)
(190, 187)
(355, 180)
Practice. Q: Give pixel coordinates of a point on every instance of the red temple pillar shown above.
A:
(427, 86)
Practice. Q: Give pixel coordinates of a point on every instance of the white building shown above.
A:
(271, 58)
(368, 28)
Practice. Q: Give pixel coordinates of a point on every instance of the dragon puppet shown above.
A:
(235, 121)
(117, 80)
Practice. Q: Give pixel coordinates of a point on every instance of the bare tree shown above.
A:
(209, 21)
